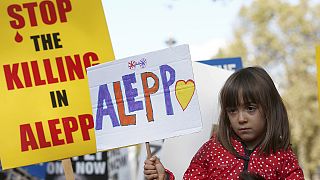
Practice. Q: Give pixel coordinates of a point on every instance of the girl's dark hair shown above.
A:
(254, 85)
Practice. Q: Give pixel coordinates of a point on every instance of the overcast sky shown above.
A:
(142, 26)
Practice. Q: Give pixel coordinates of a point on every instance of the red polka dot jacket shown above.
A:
(213, 161)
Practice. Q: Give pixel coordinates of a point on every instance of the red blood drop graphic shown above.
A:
(18, 37)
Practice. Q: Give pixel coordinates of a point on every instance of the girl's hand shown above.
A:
(153, 169)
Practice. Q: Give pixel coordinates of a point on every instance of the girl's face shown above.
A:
(248, 122)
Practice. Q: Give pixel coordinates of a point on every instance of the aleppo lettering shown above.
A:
(34, 137)
(105, 106)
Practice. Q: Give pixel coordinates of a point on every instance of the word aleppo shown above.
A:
(130, 93)
(57, 127)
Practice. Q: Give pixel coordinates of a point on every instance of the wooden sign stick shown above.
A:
(148, 150)
(67, 167)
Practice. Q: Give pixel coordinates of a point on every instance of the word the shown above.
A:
(30, 136)
(27, 74)
(48, 41)
(104, 97)
(46, 8)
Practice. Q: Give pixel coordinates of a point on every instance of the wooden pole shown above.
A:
(148, 150)
(67, 167)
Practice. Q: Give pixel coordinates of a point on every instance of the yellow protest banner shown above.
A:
(45, 49)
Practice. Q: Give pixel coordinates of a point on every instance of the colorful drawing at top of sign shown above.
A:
(142, 63)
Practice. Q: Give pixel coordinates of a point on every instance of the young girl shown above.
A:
(253, 135)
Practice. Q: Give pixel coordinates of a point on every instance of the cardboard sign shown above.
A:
(144, 98)
(87, 167)
(45, 104)
(105, 165)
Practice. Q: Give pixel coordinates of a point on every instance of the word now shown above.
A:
(46, 8)
(81, 168)
(130, 92)
(89, 168)
(27, 74)
(30, 137)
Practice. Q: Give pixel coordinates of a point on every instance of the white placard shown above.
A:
(144, 98)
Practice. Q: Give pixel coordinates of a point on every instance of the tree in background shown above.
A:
(281, 36)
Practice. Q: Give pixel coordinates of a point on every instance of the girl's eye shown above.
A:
(232, 110)
(251, 108)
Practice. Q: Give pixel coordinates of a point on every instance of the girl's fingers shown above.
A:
(148, 162)
(149, 167)
(151, 160)
(150, 172)
(151, 177)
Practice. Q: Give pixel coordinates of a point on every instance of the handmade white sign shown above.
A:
(144, 98)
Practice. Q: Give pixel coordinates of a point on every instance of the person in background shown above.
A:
(252, 140)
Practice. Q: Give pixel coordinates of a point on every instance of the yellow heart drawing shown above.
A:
(184, 92)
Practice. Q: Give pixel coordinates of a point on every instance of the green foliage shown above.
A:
(281, 37)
